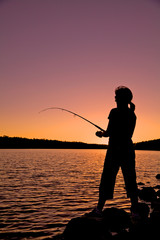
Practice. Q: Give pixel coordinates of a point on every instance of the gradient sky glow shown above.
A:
(73, 54)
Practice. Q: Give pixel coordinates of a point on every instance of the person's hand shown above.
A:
(99, 134)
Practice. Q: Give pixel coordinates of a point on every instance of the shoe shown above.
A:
(94, 213)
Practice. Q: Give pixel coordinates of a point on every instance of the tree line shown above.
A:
(26, 143)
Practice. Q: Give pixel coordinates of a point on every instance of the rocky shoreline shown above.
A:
(116, 223)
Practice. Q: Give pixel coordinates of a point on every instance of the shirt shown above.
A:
(121, 125)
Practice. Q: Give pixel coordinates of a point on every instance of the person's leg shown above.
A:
(107, 183)
(134, 202)
(129, 174)
(101, 203)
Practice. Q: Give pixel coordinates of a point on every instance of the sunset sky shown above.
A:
(73, 54)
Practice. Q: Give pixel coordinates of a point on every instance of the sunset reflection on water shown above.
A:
(41, 190)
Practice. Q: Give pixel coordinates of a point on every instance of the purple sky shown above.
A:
(73, 54)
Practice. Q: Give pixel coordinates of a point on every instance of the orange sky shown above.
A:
(73, 54)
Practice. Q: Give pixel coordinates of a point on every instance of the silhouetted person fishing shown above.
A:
(120, 153)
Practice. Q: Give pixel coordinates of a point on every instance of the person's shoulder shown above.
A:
(112, 112)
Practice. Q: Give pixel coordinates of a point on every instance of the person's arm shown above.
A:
(133, 121)
(107, 133)
(132, 126)
(104, 133)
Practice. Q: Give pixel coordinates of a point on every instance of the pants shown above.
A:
(116, 158)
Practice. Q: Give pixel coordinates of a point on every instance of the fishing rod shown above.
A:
(75, 114)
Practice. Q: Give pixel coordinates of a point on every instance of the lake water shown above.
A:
(41, 190)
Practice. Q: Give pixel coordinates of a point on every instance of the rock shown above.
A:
(86, 228)
(143, 211)
(158, 176)
(155, 205)
(140, 183)
(155, 218)
(147, 194)
(116, 219)
(158, 193)
(58, 237)
(139, 217)
(142, 231)
(122, 235)
(140, 227)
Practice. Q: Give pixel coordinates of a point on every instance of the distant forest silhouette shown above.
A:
(19, 143)
(25, 143)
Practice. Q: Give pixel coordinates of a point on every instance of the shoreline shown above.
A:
(26, 143)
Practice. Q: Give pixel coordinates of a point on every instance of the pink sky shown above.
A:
(73, 54)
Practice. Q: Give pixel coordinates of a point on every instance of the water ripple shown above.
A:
(41, 190)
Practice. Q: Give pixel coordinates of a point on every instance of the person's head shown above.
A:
(123, 96)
